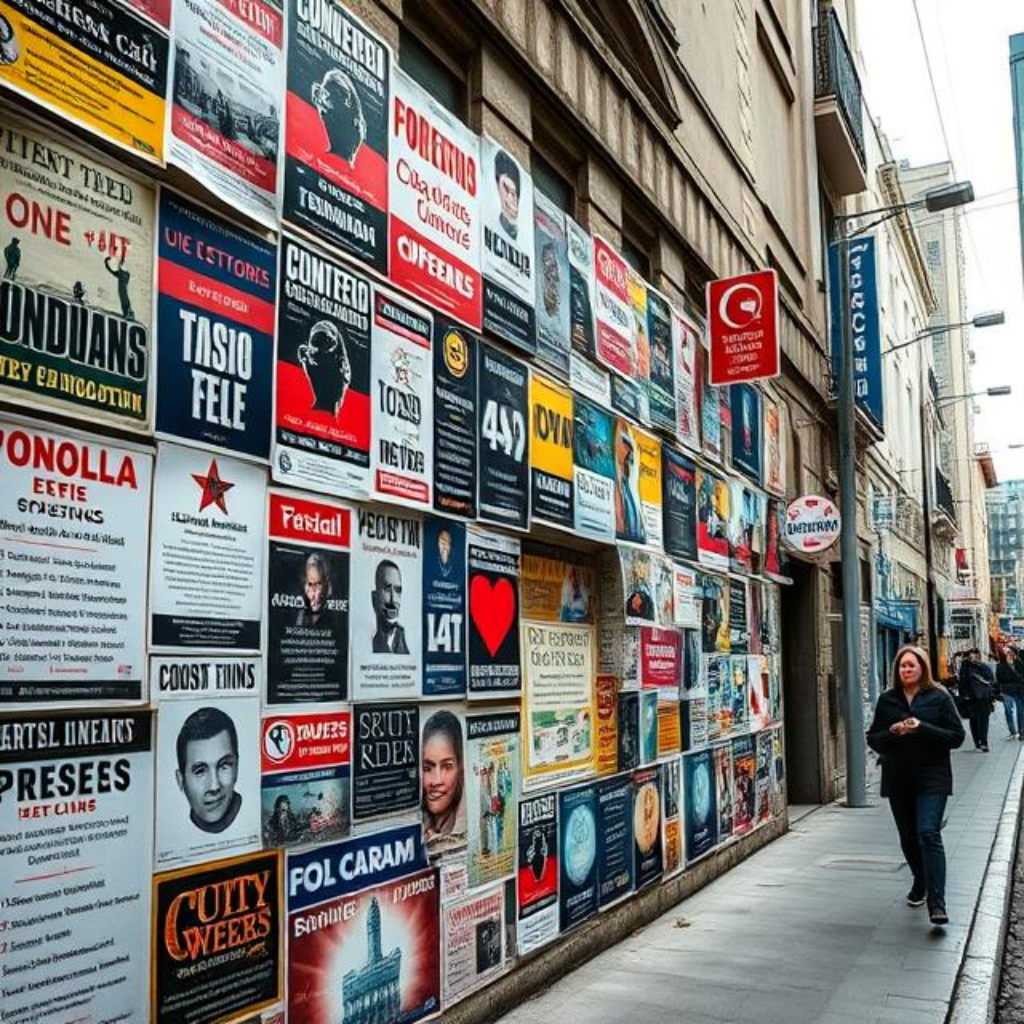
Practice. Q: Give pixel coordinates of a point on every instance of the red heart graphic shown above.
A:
(493, 610)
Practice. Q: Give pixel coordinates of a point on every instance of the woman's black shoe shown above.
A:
(937, 912)
(915, 898)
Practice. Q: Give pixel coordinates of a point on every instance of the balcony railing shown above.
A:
(835, 74)
(944, 495)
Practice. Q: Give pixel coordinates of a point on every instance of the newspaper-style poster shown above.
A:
(724, 785)
(774, 476)
(641, 380)
(686, 597)
(629, 731)
(444, 608)
(595, 487)
(615, 346)
(86, 776)
(650, 486)
(215, 318)
(739, 628)
(648, 852)
(217, 940)
(336, 130)
(577, 868)
(435, 186)
(557, 589)
(506, 206)
(606, 743)
(443, 777)
(493, 589)
(554, 284)
(206, 580)
(492, 795)
(700, 804)
(747, 453)
(551, 453)
(694, 714)
(672, 825)
(615, 844)
(225, 123)
(455, 419)
(322, 417)
(712, 520)
(687, 347)
(473, 940)
(385, 760)
(662, 390)
(537, 877)
(679, 499)
(74, 549)
(630, 521)
(744, 772)
(386, 605)
(76, 299)
(306, 761)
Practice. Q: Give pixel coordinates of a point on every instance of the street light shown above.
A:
(997, 392)
(992, 319)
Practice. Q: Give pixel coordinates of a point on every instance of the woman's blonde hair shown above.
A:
(927, 681)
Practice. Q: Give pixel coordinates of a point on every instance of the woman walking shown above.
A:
(976, 683)
(1010, 684)
(915, 727)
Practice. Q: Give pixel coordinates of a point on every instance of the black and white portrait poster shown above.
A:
(495, 667)
(207, 758)
(206, 579)
(679, 503)
(385, 761)
(506, 201)
(503, 495)
(444, 607)
(386, 660)
(307, 599)
(455, 423)
(554, 283)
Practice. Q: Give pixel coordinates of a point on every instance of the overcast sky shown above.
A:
(968, 44)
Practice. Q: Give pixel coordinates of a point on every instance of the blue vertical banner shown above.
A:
(864, 324)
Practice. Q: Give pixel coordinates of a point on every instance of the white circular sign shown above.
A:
(812, 525)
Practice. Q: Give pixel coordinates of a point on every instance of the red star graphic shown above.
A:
(214, 488)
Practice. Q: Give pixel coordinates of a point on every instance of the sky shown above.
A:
(968, 46)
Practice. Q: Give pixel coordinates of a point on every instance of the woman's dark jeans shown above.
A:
(919, 822)
(981, 711)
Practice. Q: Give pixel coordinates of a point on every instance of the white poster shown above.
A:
(687, 596)
(554, 284)
(473, 943)
(686, 343)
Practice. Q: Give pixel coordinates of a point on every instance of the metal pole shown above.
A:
(926, 510)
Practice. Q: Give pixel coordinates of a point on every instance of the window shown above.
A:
(552, 185)
(636, 258)
(424, 66)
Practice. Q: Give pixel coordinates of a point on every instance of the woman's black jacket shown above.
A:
(1008, 678)
(917, 763)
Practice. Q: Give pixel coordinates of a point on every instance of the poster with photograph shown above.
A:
(686, 345)
(455, 419)
(95, 770)
(714, 623)
(492, 794)
(648, 727)
(636, 289)
(662, 388)
(217, 940)
(606, 757)
(557, 587)
(554, 299)
(551, 453)
(712, 520)
(595, 487)
(537, 873)
(721, 755)
(503, 490)
(206, 574)
(336, 130)
(648, 851)
(774, 474)
(639, 573)
(629, 731)
(443, 778)
(672, 824)
(650, 487)
(745, 403)
(577, 867)
(385, 761)
(614, 343)
(630, 521)
(306, 762)
(700, 804)
(74, 549)
(744, 774)
(473, 940)
(307, 599)
(444, 608)
(225, 123)
(435, 183)
(615, 840)
(76, 299)
(679, 500)
(493, 589)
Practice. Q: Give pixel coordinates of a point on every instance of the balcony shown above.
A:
(944, 512)
(838, 107)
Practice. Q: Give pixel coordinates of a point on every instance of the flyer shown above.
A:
(722, 759)
(216, 286)
(76, 298)
(679, 499)
(712, 520)
(322, 412)
(577, 868)
(639, 578)
(455, 419)
(629, 731)
(336, 130)
(443, 777)
(76, 820)
(557, 587)
(613, 342)
(473, 940)
(744, 772)
(306, 761)
(386, 605)
(774, 474)
(217, 940)
(660, 317)
(594, 471)
(700, 804)
(739, 630)
(434, 223)
(747, 453)
(648, 853)
(225, 123)
(686, 345)
(492, 795)
(206, 576)
(636, 289)
(207, 759)
(650, 486)
(630, 521)
(686, 597)
(551, 459)
(711, 420)
(607, 730)
(385, 760)
(444, 608)
(537, 878)
(554, 284)
(503, 490)
(672, 830)
(74, 547)
(615, 843)
(307, 599)
(493, 589)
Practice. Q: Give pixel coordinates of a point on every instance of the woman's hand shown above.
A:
(907, 726)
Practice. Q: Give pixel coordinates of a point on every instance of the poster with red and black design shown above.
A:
(336, 130)
(537, 876)
(614, 342)
(455, 427)
(495, 667)
(322, 414)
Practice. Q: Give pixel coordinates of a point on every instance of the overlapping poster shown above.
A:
(714, 623)
(629, 730)
(606, 731)
(688, 371)
(724, 787)
(306, 762)
(455, 419)
(763, 778)
(648, 852)
(385, 760)
(614, 344)
(744, 773)
(537, 877)
(636, 289)
(630, 521)
(322, 417)
(679, 500)
(557, 587)
(336, 130)
(492, 795)
(594, 471)
(307, 623)
(493, 589)
(217, 940)
(554, 284)
(577, 866)
(747, 453)
(581, 298)
(551, 453)
(473, 939)
(662, 389)
(443, 777)
(615, 840)
(225, 123)
(712, 520)
(672, 809)
(774, 474)
(686, 597)
(74, 548)
(650, 486)
(739, 627)
(216, 286)
(444, 608)
(700, 804)
(76, 299)
(206, 582)
(83, 780)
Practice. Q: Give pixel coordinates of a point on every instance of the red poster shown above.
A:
(615, 345)
(743, 327)
(303, 742)
(661, 658)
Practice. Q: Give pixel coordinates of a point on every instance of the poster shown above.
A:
(746, 534)
(76, 299)
(158, 11)
(207, 759)
(694, 715)
(74, 549)
(679, 500)
(216, 286)
(759, 691)
(434, 223)
(724, 788)
(648, 852)
(774, 477)
(443, 776)
(700, 804)
(104, 69)
(401, 401)
(615, 840)
(386, 602)
(551, 453)
(672, 828)
(629, 731)
(558, 703)
(739, 628)
(778, 780)
(714, 625)
(557, 587)
(473, 940)
(661, 659)
(306, 764)
(594, 471)
(95, 770)
(493, 589)
(455, 419)
(537, 875)
(630, 521)
(712, 520)
(739, 694)
(217, 939)
(614, 343)
(206, 582)
(577, 867)
(711, 421)
(650, 486)
(662, 389)
(693, 681)
(639, 579)
(322, 411)
(636, 289)
(773, 563)
(503, 490)
(385, 760)
(744, 772)
(492, 795)
(686, 597)
(606, 740)
(686, 344)
(747, 453)
(554, 284)
(581, 296)
(763, 778)
(336, 130)
(670, 734)
(444, 608)
(648, 727)
(225, 123)
(307, 599)
(629, 397)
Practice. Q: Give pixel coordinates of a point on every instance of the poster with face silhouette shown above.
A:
(537, 877)
(493, 589)
(554, 283)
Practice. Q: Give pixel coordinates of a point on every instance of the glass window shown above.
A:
(425, 67)
(552, 184)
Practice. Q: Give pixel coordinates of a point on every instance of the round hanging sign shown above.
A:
(812, 525)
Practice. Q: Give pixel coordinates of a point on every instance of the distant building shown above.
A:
(1006, 547)
(372, 994)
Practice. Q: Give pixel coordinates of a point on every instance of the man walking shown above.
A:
(976, 685)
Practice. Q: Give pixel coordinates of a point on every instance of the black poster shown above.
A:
(700, 804)
(663, 377)
(444, 608)
(647, 847)
(629, 731)
(455, 426)
(577, 865)
(504, 470)
(615, 839)
(385, 760)
(495, 669)
(537, 873)
(739, 630)
(679, 504)
(628, 398)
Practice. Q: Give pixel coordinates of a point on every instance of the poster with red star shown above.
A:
(207, 552)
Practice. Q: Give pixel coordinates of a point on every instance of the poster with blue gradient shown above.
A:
(444, 608)
(699, 804)
(745, 401)
(615, 849)
(577, 868)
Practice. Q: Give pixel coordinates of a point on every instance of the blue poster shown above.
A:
(615, 849)
(444, 608)
(577, 866)
(700, 804)
(745, 400)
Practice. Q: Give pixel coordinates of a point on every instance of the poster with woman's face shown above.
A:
(442, 774)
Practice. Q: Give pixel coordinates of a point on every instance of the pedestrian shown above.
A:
(1010, 681)
(977, 685)
(915, 727)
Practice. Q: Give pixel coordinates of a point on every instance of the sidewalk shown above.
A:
(812, 928)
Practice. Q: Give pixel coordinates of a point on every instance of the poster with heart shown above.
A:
(494, 661)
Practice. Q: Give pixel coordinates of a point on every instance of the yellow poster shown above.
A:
(551, 413)
(607, 725)
(670, 733)
(554, 590)
(650, 485)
